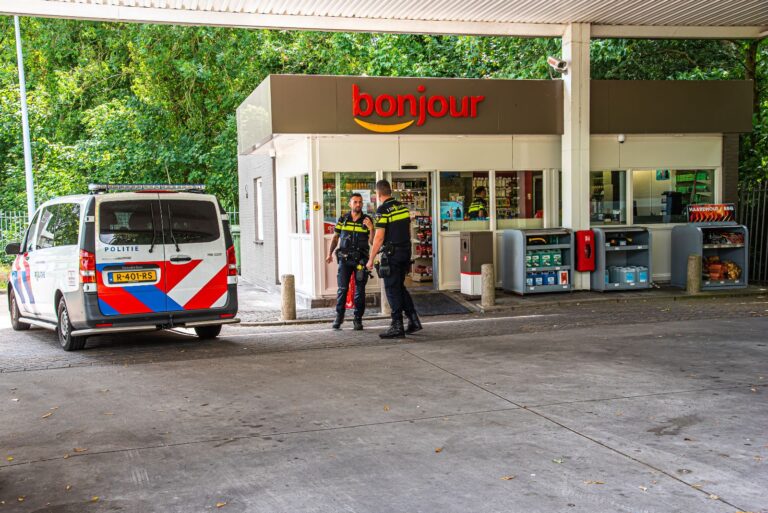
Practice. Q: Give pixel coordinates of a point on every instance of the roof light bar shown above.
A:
(95, 188)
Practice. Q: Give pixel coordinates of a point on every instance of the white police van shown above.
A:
(146, 258)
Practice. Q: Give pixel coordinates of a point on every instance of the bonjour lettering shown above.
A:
(419, 106)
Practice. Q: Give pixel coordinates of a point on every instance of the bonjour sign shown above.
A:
(407, 109)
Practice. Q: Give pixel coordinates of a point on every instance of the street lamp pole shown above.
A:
(25, 123)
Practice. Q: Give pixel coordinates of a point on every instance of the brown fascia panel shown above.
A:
(670, 106)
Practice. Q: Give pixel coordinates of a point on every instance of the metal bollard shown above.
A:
(693, 281)
(385, 309)
(488, 280)
(288, 294)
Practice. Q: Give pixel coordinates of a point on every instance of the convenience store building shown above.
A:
(305, 143)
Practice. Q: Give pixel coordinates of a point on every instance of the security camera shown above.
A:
(621, 138)
(558, 65)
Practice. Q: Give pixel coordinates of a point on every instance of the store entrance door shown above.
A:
(414, 190)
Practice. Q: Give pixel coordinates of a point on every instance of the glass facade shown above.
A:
(464, 201)
(663, 195)
(519, 199)
(608, 197)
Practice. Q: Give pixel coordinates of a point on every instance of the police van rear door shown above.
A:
(196, 252)
(130, 254)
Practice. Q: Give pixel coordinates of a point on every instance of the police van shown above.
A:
(125, 258)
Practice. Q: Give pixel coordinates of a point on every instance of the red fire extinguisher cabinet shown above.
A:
(585, 251)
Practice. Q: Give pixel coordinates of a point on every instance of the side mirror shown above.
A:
(14, 248)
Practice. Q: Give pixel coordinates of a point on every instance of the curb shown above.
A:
(475, 308)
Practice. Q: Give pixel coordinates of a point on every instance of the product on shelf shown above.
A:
(715, 269)
(422, 268)
(723, 237)
(627, 275)
(544, 258)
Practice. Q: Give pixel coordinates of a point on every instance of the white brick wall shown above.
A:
(259, 260)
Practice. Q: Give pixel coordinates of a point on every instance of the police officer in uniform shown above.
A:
(353, 235)
(392, 244)
(478, 209)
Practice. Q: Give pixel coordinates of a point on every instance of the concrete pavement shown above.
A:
(648, 406)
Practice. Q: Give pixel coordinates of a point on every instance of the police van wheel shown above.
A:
(208, 332)
(64, 330)
(16, 324)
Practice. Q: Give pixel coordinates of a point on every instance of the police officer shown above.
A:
(392, 243)
(353, 234)
(478, 209)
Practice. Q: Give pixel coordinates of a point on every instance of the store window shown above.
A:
(519, 199)
(300, 195)
(663, 195)
(464, 201)
(259, 210)
(338, 187)
(608, 197)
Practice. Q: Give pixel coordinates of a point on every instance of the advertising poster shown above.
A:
(451, 211)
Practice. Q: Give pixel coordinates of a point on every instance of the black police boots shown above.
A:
(414, 323)
(395, 330)
(338, 322)
(357, 323)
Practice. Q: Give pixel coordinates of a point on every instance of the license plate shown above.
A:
(133, 276)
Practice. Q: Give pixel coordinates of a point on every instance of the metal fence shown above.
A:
(753, 208)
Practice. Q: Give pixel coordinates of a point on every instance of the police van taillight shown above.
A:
(231, 261)
(87, 267)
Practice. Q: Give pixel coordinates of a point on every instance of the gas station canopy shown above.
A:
(722, 19)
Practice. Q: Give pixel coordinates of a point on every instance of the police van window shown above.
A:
(59, 226)
(127, 222)
(29, 238)
(65, 224)
(191, 221)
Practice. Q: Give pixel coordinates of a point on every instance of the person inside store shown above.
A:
(353, 235)
(478, 209)
(392, 247)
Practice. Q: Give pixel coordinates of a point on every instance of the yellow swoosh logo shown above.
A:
(384, 129)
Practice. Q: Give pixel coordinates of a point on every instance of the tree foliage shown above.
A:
(156, 103)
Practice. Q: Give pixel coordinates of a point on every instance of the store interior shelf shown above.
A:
(548, 246)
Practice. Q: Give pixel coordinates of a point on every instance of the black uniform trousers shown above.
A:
(399, 298)
(347, 268)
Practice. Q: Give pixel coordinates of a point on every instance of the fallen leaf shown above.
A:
(643, 488)
(753, 389)
(68, 488)
(558, 460)
(594, 482)
(79, 449)
(66, 456)
(55, 408)
(95, 498)
(104, 390)
(221, 504)
(15, 399)
(438, 449)
(713, 496)
(386, 407)
(9, 458)
(21, 498)
(47, 415)
(697, 486)
(508, 478)
(108, 413)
